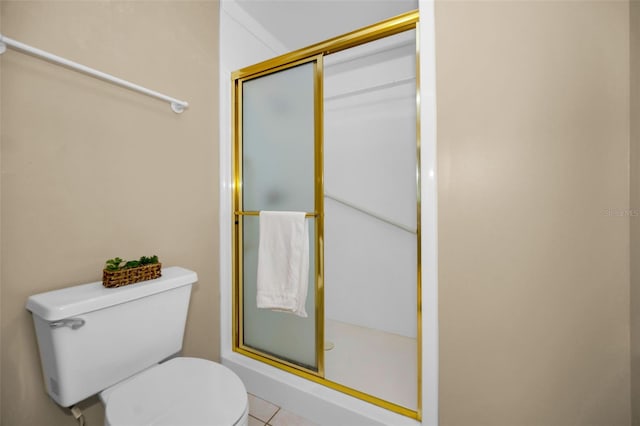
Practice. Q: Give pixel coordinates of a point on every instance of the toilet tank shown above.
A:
(91, 337)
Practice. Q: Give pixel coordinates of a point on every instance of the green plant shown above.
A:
(148, 260)
(117, 263)
(113, 264)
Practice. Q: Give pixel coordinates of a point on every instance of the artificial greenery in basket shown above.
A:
(118, 272)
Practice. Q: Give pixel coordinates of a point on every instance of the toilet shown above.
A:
(123, 344)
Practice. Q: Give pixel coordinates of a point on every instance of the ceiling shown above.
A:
(300, 23)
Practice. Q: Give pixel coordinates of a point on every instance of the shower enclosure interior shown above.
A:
(331, 130)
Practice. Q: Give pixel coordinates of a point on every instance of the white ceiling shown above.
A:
(300, 23)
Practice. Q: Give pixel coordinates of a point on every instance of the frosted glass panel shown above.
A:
(278, 141)
(287, 336)
(278, 147)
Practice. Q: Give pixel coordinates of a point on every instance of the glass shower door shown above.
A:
(371, 228)
(277, 161)
(331, 130)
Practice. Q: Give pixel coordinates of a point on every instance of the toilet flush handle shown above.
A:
(74, 323)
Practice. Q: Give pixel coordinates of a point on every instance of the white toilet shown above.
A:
(113, 341)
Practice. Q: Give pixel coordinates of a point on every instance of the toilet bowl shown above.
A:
(115, 342)
(181, 391)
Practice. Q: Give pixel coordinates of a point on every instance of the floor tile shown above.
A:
(261, 409)
(255, 422)
(287, 418)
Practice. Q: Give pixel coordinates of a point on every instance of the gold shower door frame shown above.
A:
(314, 54)
(239, 213)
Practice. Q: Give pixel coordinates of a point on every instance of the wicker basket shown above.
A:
(131, 275)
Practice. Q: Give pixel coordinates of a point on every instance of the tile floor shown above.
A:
(264, 413)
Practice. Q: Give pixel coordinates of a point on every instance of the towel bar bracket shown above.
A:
(176, 107)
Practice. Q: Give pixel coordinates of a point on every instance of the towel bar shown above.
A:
(249, 213)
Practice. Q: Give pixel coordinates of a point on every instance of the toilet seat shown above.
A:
(182, 391)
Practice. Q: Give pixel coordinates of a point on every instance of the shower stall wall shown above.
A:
(331, 130)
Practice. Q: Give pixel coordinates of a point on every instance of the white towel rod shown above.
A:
(176, 105)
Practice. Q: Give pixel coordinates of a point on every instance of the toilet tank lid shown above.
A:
(81, 299)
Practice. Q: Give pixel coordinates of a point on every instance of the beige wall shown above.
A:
(533, 137)
(92, 171)
(533, 140)
(635, 206)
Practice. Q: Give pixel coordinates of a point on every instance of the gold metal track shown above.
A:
(389, 27)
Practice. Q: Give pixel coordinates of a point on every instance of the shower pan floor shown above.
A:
(375, 362)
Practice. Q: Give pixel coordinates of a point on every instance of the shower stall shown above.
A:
(333, 130)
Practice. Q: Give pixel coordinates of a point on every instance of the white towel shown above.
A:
(283, 262)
